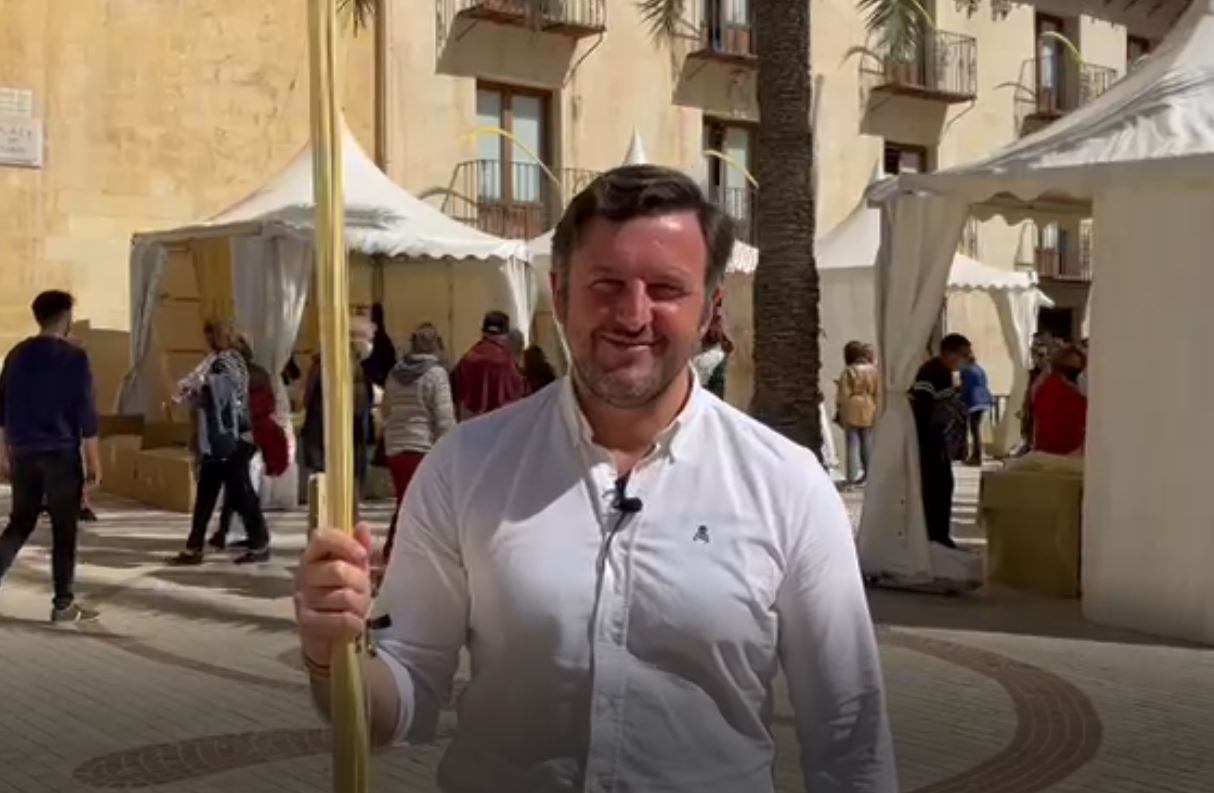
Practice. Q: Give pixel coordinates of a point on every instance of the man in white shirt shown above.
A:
(628, 560)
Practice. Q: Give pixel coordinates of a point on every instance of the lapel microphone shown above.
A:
(629, 505)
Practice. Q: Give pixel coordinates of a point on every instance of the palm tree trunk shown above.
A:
(787, 355)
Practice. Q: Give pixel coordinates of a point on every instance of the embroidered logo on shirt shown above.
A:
(701, 535)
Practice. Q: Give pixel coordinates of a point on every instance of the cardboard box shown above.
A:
(166, 479)
(1033, 526)
(110, 426)
(119, 455)
(161, 434)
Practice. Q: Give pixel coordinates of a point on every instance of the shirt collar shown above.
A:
(672, 441)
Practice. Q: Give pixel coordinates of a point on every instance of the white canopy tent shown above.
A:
(270, 235)
(271, 253)
(846, 265)
(1140, 159)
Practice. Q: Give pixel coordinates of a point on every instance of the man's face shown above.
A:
(634, 308)
(956, 360)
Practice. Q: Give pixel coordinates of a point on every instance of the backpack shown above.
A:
(224, 416)
(952, 421)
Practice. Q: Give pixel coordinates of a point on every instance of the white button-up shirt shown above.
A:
(632, 652)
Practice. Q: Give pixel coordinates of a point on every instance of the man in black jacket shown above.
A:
(47, 415)
(939, 417)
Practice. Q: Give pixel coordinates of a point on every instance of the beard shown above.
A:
(630, 387)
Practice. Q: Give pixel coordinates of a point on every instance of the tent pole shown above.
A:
(351, 755)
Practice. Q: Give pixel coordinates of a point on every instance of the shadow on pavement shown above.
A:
(1000, 610)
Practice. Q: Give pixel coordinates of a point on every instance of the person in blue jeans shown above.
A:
(976, 394)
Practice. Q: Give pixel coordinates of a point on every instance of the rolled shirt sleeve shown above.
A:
(425, 592)
(829, 654)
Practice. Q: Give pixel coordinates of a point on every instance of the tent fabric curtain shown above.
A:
(1147, 550)
(919, 238)
(148, 262)
(1018, 318)
(523, 294)
(273, 275)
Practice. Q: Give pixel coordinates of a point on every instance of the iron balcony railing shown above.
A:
(518, 200)
(726, 30)
(739, 204)
(941, 65)
(1050, 89)
(1056, 259)
(575, 18)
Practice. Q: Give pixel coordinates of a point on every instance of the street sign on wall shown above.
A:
(21, 142)
(16, 102)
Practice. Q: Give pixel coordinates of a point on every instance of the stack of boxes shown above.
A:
(148, 462)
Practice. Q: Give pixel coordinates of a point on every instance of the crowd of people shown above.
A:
(478, 550)
(416, 397)
(951, 400)
(237, 428)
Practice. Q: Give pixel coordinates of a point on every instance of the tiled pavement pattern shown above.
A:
(191, 683)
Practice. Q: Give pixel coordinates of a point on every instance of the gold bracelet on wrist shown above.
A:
(314, 668)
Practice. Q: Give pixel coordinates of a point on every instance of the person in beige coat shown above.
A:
(859, 395)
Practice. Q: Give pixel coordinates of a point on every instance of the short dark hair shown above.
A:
(50, 306)
(954, 343)
(496, 323)
(634, 191)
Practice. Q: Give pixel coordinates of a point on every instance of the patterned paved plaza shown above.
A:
(189, 682)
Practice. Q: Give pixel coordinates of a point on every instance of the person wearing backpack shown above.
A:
(268, 436)
(218, 392)
(942, 425)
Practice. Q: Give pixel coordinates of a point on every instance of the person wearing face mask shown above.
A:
(1060, 408)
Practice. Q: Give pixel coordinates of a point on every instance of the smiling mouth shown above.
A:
(627, 344)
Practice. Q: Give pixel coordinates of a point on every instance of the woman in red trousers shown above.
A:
(417, 410)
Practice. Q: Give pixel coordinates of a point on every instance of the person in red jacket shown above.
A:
(1060, 409)
(486, 378)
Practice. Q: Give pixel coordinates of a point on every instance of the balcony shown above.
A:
(943, 67)
(1057, 262)
(573, 18)
(1047, 101)
(516, 200)
(739, 204)
(726, 33)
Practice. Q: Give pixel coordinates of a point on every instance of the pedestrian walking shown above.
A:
(858, 396)
(48, 417)
(976, 394)
(269, 438)
(628, 560)
(218, 394)
(417, 410)
(487, 376)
